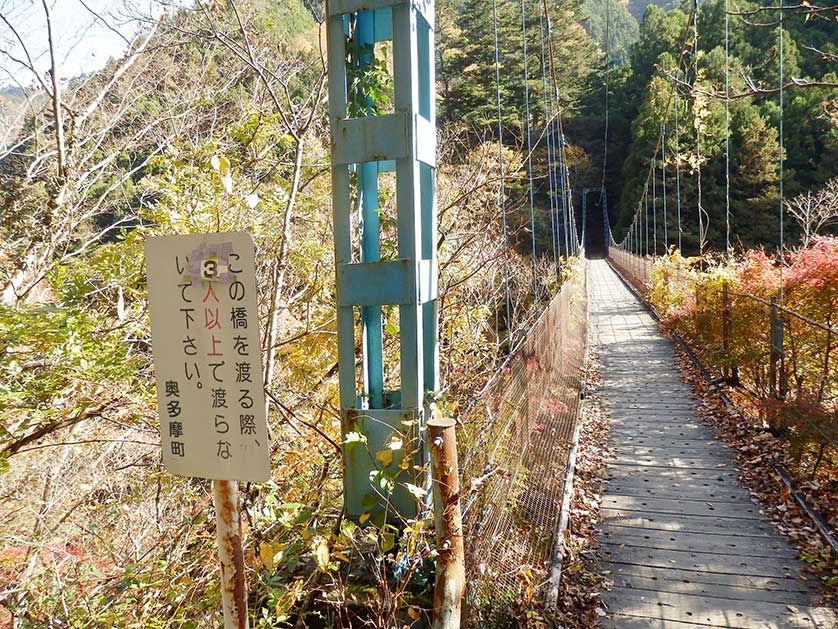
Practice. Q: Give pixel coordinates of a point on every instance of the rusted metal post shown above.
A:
(450, 570)
(775, 359)
(726, 326)
(772, 351)
(225, 494)
(696, 314)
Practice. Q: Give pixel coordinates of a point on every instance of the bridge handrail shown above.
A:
(781, 308)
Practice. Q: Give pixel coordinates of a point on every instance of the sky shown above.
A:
(84, 42)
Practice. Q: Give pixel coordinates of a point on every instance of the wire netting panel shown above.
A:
(515, 446)
(637, 270)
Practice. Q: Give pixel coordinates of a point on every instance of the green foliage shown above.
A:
(468, 64)
(809, 137)
(284, 17)
(61, 362)
(466, 60)
(754, 197)
(370, 88)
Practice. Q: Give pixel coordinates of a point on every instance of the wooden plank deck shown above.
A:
(684, 544)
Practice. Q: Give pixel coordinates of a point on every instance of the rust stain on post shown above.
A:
(230, 554)
(450, 576)
(350, 423)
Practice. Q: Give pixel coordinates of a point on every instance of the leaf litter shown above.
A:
(755, 451)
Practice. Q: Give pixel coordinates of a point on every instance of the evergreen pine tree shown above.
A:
(754, 195)
(611, 25)
(469, 69)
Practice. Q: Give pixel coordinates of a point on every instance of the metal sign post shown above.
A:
(225, 498)
(208, 368)
(403, 141)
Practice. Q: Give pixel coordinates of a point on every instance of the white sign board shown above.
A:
(207, 359)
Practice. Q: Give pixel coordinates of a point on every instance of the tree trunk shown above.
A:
(56, 100)
(280, 266)
(26, 274)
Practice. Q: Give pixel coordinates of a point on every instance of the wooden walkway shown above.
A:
(684, 544)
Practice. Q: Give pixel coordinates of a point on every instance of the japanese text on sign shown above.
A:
(205, 341)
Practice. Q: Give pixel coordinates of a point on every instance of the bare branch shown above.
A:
(104, 22)
(755, 90)
(61, 149)
(787, 13)
(28, 64)
(814, 211)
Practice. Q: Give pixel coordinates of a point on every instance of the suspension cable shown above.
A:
(646, 208)
(654, 205)
(663, 188)
(555, 83)
(782, 150)
(551, 194)
(640, 235)
(502, 188)
(702, 230)
(727, 133)
(562, 174)
(529, 147)
(602, 191)
(678, 170)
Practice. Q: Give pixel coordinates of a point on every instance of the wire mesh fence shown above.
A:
(635, 269)
(515, 445)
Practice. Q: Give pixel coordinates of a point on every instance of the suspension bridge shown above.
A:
(683, 543)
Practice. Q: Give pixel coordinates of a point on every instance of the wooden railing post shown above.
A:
(450, 570)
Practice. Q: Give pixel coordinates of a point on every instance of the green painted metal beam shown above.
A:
(403, 141)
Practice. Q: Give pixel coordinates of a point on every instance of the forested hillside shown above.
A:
(638, 8)
(216, 120)
(12, 105)
(611, 25)
(639, 77)
(638, 95)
